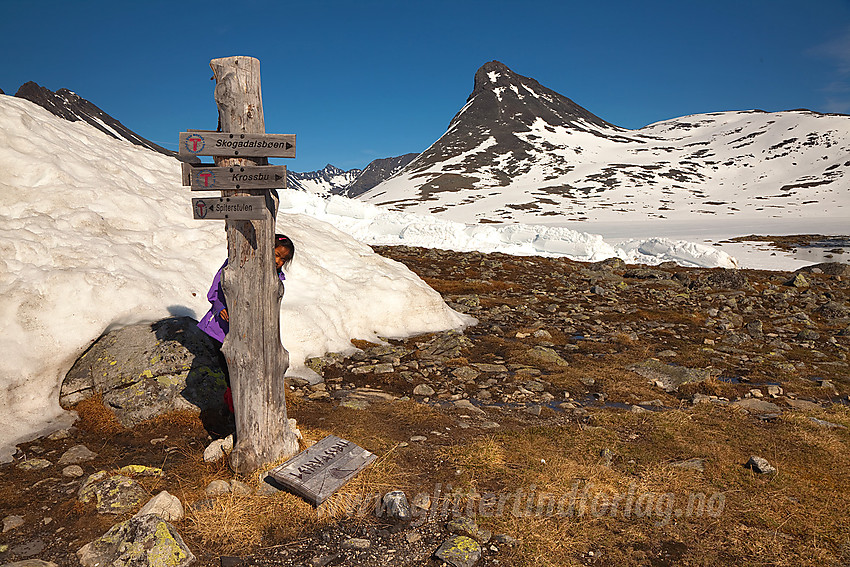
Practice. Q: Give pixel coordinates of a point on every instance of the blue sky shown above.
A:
(359, 80)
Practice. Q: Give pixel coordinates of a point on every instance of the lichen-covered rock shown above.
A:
(459, 551)
(144, 541)
(114, 494)
(147, 370)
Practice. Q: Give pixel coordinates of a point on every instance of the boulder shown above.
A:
(114, 494)
(139, 542)
(395, 506)
(147, 370)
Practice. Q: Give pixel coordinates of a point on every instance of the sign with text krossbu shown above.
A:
(317, 472)
(229, 208)
(211, 178)
(236, 144)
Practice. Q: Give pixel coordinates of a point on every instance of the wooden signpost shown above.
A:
(256, 360)
(201, 177)
(224, 208)
(319, 471)
(204, 143)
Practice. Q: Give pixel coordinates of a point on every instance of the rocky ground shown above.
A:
(665, 378)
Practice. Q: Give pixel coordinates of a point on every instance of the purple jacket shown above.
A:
(212, 323)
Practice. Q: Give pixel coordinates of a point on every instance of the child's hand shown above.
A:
(224, 315)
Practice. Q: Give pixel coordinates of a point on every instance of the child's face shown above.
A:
(281, 256)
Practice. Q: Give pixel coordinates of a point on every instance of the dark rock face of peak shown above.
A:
(503, 93)
(72, 107)
(376, 172)
(506, 115)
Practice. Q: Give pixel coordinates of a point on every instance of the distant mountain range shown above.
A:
(519, 152)
(328, 181)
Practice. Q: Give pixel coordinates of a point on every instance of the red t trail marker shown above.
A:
(233, 144)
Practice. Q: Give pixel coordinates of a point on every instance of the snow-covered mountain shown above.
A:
(325, 182)
(72, 107)
(376, 172)
(519, 152)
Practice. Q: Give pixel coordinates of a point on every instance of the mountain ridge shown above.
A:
(518, 152)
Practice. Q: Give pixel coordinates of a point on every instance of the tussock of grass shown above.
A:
(96, 417)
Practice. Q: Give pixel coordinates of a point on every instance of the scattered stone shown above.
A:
(607, 456)
(418, 438)
(467, 527)
(240, 488)
(396, 507)
(217, 488)
(76, 455)
(164, 505)
(362, 398)
(545, 356)
(534, 409)
(753, 405)
(803, 405)
(28, 549)
(798, 281)
(827, 424)
(12, 522)
(459, 551)
(356, 543)
(760, 465)
(423, 390)
(116, 494)
(669, 376)
(140, 470)
(73, 471)
(466, 405)
(33, 464)
(144, 541)
(61, 434)
(412, 537)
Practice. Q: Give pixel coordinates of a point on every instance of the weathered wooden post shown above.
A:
(255, 357)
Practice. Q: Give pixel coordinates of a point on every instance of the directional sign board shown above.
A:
(209, 178)
(230, 208)
(317, 472)
(236, 145)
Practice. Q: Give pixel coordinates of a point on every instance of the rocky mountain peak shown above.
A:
(72, 107)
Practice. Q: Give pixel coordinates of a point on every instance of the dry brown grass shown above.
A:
(96, 417)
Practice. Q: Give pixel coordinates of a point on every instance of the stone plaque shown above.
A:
(316, 473)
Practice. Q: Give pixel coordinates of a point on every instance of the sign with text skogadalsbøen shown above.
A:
(236, 145)
(210, 178)
(230, 208)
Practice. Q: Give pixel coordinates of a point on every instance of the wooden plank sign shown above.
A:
(233, 208)
(236, 144)
(211, 178)
(317, 472)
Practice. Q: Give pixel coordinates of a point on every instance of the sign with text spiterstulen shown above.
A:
(232, 144)
(211, 178)
(317, 472)
(230, 208)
